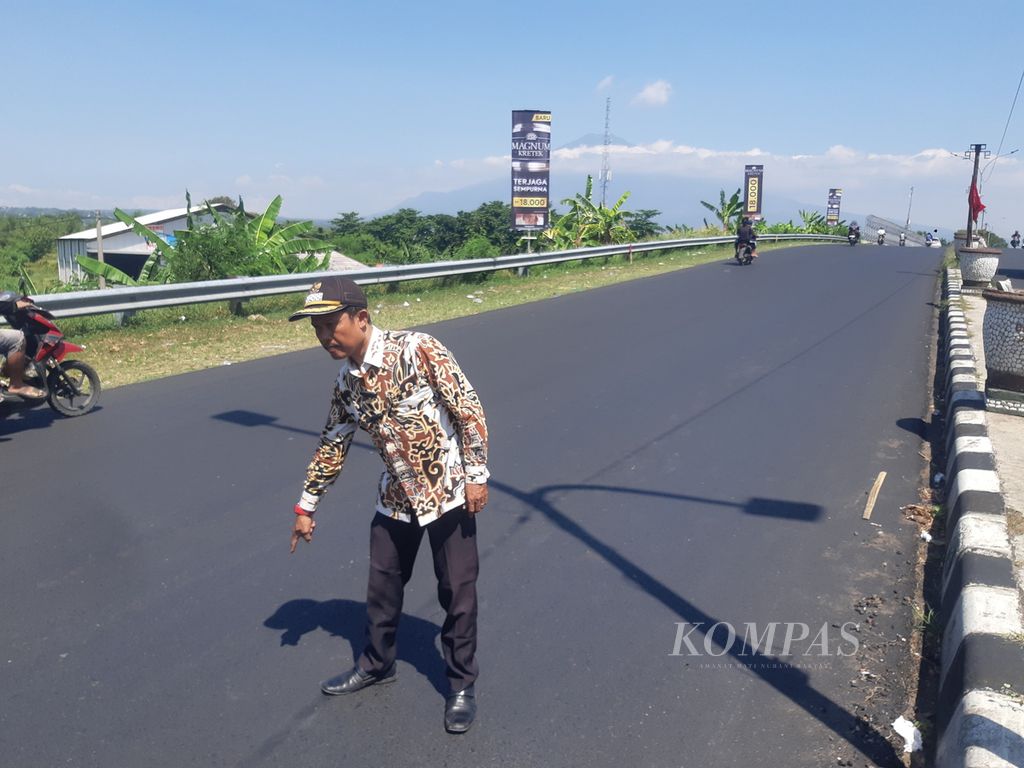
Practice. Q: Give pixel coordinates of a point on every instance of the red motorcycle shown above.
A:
(71, 386)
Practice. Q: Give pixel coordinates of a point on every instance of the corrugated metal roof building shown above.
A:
(121, 246)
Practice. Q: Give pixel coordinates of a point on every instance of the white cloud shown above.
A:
(605, 83)
(655, 94)
(18, 195)
(873, 182)
(21, 189)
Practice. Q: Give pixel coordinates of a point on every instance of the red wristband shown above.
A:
(300, 511)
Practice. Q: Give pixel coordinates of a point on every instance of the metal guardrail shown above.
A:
(892, 231)
(99, 302)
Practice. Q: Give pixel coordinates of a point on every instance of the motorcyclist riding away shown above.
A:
(745, 235)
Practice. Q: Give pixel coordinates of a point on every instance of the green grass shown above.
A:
(925, 619)
(162, 342)
(949, 258)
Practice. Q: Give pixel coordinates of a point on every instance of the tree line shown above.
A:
(27, 240)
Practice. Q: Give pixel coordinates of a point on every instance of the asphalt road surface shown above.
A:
(1011, 265)
(681, 450)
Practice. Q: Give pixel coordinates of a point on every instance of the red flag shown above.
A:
(974, 201)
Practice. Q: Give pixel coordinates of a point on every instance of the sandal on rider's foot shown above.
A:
(30, 393)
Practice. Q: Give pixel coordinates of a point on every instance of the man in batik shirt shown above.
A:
(424, 417)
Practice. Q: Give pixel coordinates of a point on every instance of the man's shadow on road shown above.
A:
(301, 616)
(347, 619)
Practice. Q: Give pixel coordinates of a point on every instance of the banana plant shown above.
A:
(279, 243)
(160, 245)
(275, 250)
(814, 222)
(114, 276)
(587, 223)
(728, 211)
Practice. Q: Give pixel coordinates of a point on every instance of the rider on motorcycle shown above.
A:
(745, 235)
(881, 234)
(12, 347)
(854, 230)
(903, 238)
(1015, 239)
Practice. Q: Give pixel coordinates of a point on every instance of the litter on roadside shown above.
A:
(909, 732)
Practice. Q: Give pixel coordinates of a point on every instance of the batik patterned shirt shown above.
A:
(423, 416)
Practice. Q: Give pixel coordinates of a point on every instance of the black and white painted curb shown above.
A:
(980, 713)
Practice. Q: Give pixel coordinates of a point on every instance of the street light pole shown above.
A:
(907, 226)
(976, 149)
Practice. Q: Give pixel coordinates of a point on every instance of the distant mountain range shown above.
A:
(596, 140)
(677, 198)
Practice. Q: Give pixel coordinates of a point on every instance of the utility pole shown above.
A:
(605, 152)
(976, 150)
(99, 247)
(907, 225)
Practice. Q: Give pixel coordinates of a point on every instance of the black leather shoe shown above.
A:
(355, 680)
(460, 710)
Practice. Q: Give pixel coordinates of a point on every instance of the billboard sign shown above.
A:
(835, 197)
(753, 190)
(531, 168)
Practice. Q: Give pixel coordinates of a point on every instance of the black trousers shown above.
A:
(393, 547)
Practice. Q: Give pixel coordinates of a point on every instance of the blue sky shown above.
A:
(359, 106)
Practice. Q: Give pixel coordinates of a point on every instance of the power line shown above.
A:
(1008, 117)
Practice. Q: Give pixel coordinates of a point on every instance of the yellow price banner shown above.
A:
(529, 202)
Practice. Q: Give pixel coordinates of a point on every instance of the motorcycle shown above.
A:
(853, 236)
(744, 254)
(71, 387)
(1015, 242)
